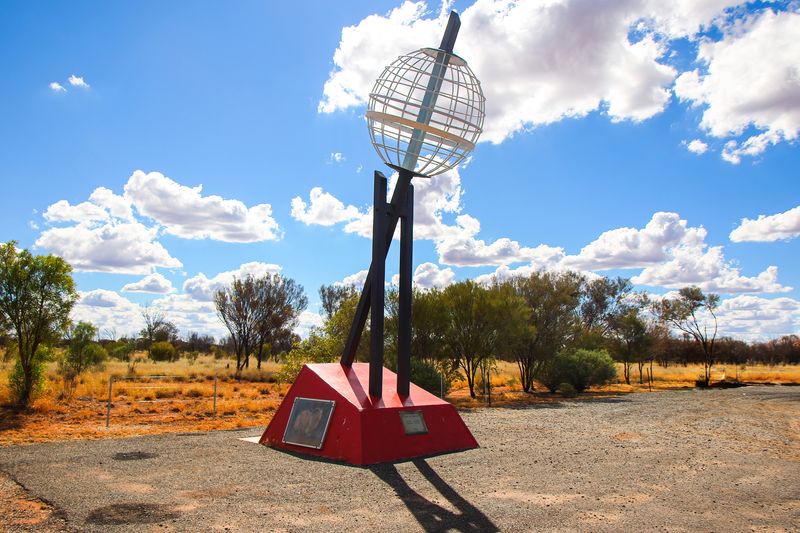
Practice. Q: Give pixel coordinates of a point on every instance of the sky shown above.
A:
(164, 148)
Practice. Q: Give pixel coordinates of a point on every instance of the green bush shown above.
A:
(315, 349)
(122, 351)
(16, 380)
(427, 376)
(581, 369)
(550, 374)
(162, 351)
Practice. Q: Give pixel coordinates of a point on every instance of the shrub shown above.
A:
(567, 390)
(16, 380)
(426, 375)
(581, 369)
(315, 349)
(584, 368)
(122, 351)
(550, 374)
(162, 351)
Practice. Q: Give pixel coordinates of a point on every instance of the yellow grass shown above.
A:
(184, 401)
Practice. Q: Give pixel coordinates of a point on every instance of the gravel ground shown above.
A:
(717, 460)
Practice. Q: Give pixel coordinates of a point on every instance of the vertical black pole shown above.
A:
(378, 267)
(405, 296)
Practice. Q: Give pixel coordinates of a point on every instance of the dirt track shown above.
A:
(721, 460)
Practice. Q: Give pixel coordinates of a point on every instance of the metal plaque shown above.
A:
(413, 422)
(308, 422)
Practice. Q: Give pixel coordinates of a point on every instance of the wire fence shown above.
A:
(148, 385)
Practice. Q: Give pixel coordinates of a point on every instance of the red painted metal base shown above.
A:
(366, 430)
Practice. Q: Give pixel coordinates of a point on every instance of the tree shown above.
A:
(153, 322)
(333, 296)
(478, 322)
(631, 340)
(281, 301)
(37, 294)
(258, 311)
(82, 351)
(552, 299)
(692, 312)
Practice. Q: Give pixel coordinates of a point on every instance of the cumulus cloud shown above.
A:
(707, 268)
(430, 275)
(108, 236)
(307, 321)
(107, 310)
(78, 81)
(336, 157)
(756, 318)
(154, 283)
(112, 246)
(323, 209)
(356, 280)
(633, 248)
(202, 288)
(185, 212)
(696, 146)
(62, 211)
(770, 228)
(750, 79)
(595, 65)
(670, 253)
(57, 87)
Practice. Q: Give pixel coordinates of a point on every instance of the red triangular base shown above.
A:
(365, 430)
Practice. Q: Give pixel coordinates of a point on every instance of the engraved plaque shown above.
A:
(308, 422)
(413, 422)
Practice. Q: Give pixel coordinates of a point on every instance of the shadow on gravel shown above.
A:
(431, 516)
(131, 513)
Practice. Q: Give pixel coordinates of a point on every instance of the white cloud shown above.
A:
(62, 211)
(201, 288)
(306, 321)
(116, 205)
(189, 314)
(78, 81)
(697, 146)
(356, 280)
(670, 253)
(107, 310)
(560, 58)
(153, 283)
(57, 87)
(337, 157)
(429, 275)
(112, 246)
(755, 318)
(751, 78)
(324, 209)
(184, 212)
(33, 225)
(707, 268)
(635, 248)
(770, 228)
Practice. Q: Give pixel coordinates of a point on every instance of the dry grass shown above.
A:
(184, 400)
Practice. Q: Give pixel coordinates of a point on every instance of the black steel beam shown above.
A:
(405, 296)
(379, 219)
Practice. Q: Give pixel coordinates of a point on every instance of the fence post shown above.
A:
(215, 396)
(108, 407)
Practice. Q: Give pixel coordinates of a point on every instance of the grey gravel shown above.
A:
(712, 460)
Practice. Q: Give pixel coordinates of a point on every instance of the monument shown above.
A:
(425, 115)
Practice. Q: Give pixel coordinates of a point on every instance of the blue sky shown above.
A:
(628, 138)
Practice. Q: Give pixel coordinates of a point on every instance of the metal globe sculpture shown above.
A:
(426, 112)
